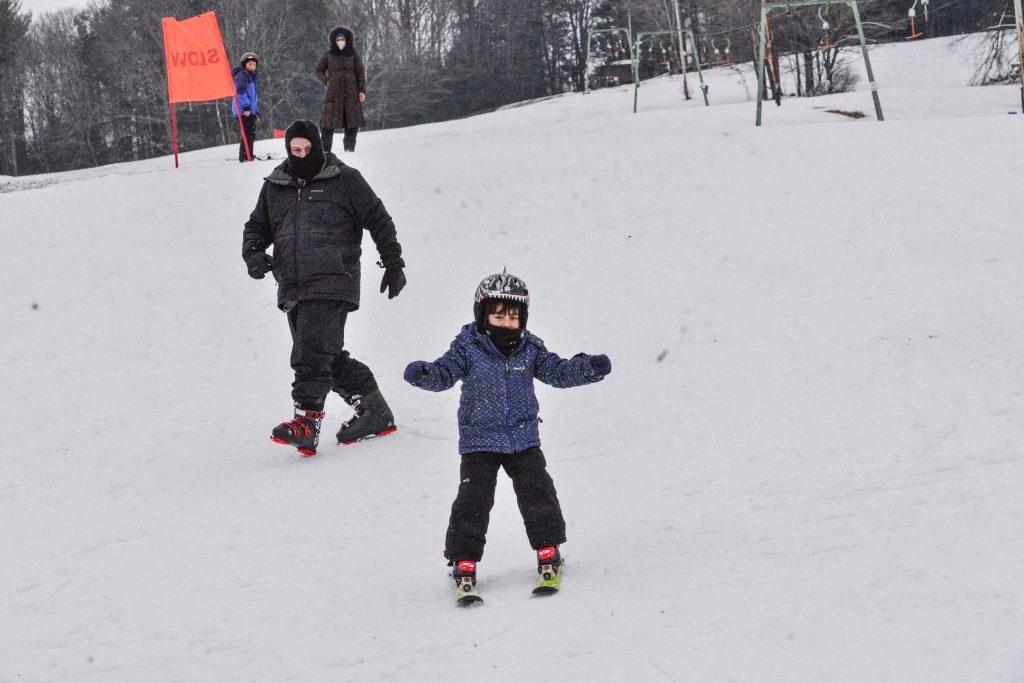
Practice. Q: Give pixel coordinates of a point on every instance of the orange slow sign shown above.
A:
(197, 66)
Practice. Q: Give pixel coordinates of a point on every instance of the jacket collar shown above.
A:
(282, 176)
(473, 336)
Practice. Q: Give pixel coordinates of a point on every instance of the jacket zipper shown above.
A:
(508, 406)
(295, 237)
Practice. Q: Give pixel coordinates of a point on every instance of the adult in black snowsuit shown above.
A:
(313, 210)
(341, 71)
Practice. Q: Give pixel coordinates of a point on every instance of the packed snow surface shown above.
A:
(806, 464)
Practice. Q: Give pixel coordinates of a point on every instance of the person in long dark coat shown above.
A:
(341, 70)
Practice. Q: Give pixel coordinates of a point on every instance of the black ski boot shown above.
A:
(373, 418)
(464, 575)
(303, 432)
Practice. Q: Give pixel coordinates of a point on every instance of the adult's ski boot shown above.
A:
(464, 575)
(373, 418)
(549, 566)
(303, 431)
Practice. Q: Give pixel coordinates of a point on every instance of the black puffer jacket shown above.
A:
(316, 230)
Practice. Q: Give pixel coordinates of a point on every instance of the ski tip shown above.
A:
(469, 600)
(545, 590)
(306, 453)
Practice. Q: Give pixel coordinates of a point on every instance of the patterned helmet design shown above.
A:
(502, 286)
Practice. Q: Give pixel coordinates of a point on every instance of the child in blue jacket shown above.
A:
(246, 77)
(497, 360)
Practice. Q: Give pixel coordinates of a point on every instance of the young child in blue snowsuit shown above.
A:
(246, 77)
(497, 360)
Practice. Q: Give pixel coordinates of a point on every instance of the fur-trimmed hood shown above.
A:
(350, 41)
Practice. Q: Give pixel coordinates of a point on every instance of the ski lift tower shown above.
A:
(682, 61)
(1019, 14)
(768, 5)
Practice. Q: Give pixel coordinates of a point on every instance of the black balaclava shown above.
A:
(308, 166)
(505, 340)
(350, 41)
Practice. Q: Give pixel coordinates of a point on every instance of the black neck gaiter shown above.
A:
(504, 339)
(308, 166)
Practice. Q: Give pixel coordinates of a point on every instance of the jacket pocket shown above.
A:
(324, 254)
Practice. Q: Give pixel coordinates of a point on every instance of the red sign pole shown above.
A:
(174, 135)
(241, 126)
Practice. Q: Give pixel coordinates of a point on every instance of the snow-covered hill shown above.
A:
(805, 466)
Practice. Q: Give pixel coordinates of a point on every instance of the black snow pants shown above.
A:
(249, 126)
(319, 358)
(471, 511)
(349, 141)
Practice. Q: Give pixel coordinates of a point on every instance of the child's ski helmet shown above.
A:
(501, 285)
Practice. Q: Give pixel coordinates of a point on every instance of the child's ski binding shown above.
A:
(464, 575)
(549, 566)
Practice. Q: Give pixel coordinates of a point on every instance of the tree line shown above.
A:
(86, 87)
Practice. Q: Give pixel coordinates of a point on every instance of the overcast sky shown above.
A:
(37, 7)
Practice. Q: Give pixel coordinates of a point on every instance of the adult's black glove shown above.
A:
(393, 281)
(259, 264)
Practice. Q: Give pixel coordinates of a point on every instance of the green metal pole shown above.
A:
(760, 61)
(632, 60)
(586, 65)
(682, 51)
(636, 73)
(867, 59)
(1018, 13)
(700, 74)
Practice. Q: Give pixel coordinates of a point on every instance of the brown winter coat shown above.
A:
(345, 78)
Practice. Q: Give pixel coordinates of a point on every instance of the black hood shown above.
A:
(310, 165)
(350, 41)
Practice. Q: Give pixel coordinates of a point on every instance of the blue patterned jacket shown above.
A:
(498, 408)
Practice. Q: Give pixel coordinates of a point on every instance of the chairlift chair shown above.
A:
(722, 56)
(912, 13)
(826, 39)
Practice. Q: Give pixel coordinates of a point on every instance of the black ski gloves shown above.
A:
(393, 281)
(259, 264)
(415, 372)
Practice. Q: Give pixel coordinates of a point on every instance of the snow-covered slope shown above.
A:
(805, 466)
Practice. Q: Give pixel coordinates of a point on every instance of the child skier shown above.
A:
(497, 360)
(246, 78)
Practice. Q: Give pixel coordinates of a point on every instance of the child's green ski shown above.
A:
(464, 574)
(550, 579)
(466, 593)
